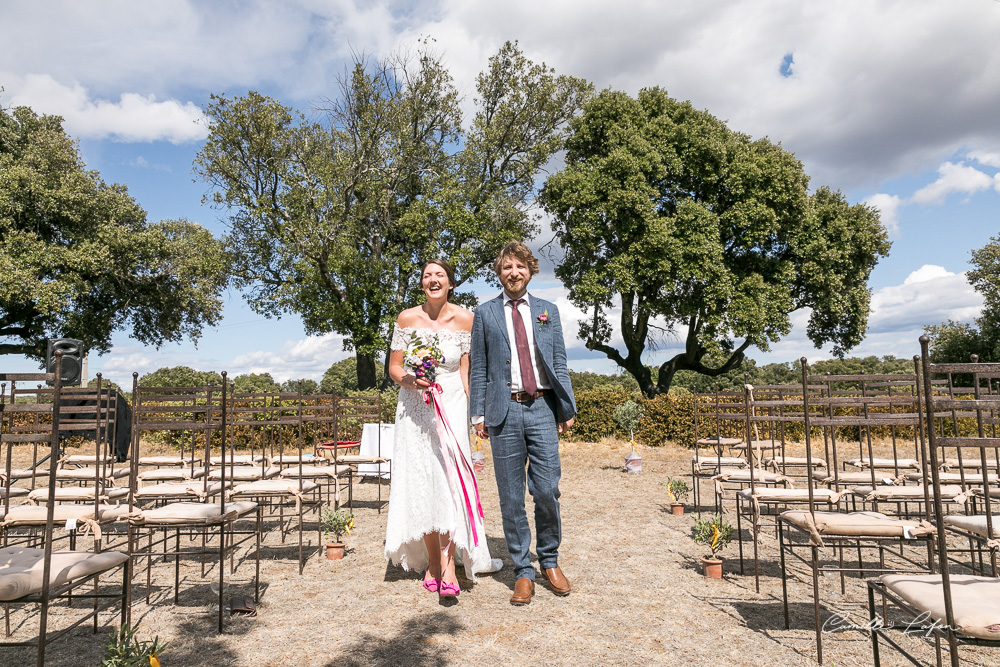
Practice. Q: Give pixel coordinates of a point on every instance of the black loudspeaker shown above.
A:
(72, 361)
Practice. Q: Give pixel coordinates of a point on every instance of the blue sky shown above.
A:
(893, 102)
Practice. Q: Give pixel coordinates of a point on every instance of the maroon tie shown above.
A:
(523, 352)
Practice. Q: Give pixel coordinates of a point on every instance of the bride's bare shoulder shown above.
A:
(463, 318)
(411, 317)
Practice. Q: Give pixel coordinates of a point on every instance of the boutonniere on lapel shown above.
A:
(543, 319)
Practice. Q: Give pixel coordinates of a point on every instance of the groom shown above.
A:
(520, 397)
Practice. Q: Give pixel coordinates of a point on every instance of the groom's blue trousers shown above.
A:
(529, 437)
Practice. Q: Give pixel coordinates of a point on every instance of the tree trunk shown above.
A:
(366, 370)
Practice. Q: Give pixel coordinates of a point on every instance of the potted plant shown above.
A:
(715, 533)
(628, 415)
(336, 523)
(677, 490)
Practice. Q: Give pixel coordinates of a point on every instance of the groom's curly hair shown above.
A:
(519, 250)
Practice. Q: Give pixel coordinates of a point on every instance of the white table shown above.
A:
(371, 446)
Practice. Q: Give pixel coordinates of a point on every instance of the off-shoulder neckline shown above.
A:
(454, 331)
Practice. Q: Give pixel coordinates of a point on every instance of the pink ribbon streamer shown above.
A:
(453, 453)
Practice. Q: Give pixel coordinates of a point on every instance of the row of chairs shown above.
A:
(235, 464)
(902, 510)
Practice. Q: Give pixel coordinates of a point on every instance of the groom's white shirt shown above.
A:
(541, 379)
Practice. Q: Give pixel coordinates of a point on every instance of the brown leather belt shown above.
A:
(523, 396)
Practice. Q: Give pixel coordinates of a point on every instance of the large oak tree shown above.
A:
(704, 234)
(331, 218)
(79, 260)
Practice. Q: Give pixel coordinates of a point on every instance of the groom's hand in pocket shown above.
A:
(566, 425)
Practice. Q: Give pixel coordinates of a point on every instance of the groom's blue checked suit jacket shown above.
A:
(489, 372)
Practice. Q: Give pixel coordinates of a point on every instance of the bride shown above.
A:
(430, 523)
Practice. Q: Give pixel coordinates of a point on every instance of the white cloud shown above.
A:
(888, 207)
(133, 117)
(305, 358)
(953, 178)
(929, 295)
(867, 99)
(988, 158)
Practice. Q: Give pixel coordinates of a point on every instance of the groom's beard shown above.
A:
(515, 288)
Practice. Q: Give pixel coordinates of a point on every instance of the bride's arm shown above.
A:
(464, 370)
(397, 373)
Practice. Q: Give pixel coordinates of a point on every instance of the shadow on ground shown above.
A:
(416, 643)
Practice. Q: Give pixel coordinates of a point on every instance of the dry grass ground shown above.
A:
(639, 597)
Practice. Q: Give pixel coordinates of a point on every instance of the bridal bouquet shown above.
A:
(422, 357)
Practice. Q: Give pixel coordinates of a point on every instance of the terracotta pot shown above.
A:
(335, 551)
(677, 509)
(712, 567)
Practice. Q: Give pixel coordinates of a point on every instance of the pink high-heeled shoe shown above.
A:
(431, 585)
(448, 590)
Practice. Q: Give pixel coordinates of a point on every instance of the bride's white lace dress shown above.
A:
(420, 499)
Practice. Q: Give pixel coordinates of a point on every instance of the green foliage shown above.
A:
(595, 413)
(309, 387)
(332, 220)
(79, 260)
(341, 378)
(124, 650)
(715, 533)
(180, 376)
(677, 489)
(664, 210)
(105, 384)
(336, 522)
(583, 381)
(255, 383)
(956, 342)
(628, 415)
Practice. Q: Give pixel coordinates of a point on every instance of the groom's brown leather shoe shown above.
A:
(558, 581)
(524, 588)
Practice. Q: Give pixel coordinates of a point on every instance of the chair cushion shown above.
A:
(743, 475)
(967, 462)
(853, 477)
(974, 524)
(975, 600)
(191, 489)
(245, 473)
(794, 461)
(355, 459)
(85, 474)
(68, 494)
(856, 524)
(170, 474)
(884, 463)
(273, 487)
(166, 461)
(87, 459)
(909, 493)
(12, 492)
(35, 515)
(291, 459)
(315, 471)
(758, 445)
(778, 495)
(718, 442)
(184, 512)
(239, 459)
(26, 473)
(21, 569)
(956, 477)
